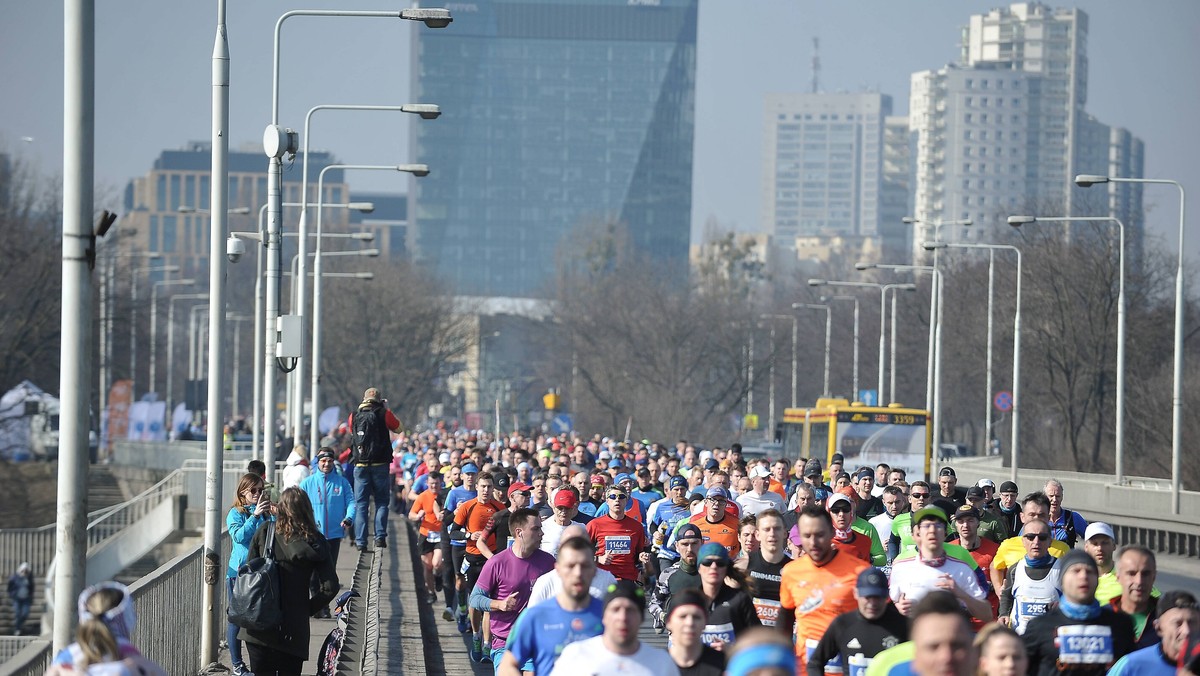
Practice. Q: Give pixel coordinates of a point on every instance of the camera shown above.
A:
(235, 248)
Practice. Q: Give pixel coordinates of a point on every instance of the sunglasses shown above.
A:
(839, 509)
(919, 496)
(709, 563)
(616, 496)
(1042, 537)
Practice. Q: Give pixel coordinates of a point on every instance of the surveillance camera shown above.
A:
(234, 249)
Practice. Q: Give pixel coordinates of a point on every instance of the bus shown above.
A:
(864, 435)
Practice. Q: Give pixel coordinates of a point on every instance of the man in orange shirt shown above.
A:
(427, 511)
(716, 524)
(473, 517)
(816, 587)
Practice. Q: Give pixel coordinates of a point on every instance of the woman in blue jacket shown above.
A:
(251, 508)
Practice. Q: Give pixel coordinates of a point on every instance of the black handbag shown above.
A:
(255, 600)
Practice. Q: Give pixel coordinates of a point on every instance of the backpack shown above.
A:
(255, 602)
(1069, 526)
(372, 442)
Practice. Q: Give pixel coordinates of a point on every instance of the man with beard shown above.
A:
(683, 574)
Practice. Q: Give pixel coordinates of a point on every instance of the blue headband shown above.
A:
(762, 656)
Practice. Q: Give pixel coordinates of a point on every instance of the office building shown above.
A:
(555, 116)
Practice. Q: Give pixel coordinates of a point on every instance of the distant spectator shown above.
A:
(20, 592)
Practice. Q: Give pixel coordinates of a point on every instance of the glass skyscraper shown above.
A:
(556, 114)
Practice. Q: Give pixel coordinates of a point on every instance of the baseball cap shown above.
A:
(929, 513)
(523, 465)
(626, 589)
(947, 471)
(1171, 600)
(1008, 487)
(759, 472)
(565, 498)
(501, 480)
(444, 457)
(812, 468)
(604, 455)
(614, 463)
(470, 468)
(598, 479)
(676, 482)
(711, 463)
(622, 477)
(642, 462)
(696, 495)
(1098, 528)
(717, 492)
(836, 498)
(872, 582)
(966, 511)
(518, 486)
(713, 550)
(838, 458)
(986, 483)
(689, 531)
(975, 493)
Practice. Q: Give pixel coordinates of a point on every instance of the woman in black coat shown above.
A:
(300, 550)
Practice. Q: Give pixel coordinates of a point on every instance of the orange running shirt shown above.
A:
(818, 594)
(859, 546)
(474, 516)
(723, 532)
(425, 501)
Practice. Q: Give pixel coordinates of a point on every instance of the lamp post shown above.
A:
(937, 229)
(854, 299)
(1016, 391)
(154, 324)
(1119, 433)
(315, 385)
(278, 142)
(828, 335)
(237, 320)
(425, 111)
(1086, 181)
(795, 353)
(133, 295)
(883, 289)
(934, 353)
(170, 398)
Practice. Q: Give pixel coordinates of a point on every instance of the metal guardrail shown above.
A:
(11, 645)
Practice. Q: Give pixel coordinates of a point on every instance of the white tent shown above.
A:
(21, 409)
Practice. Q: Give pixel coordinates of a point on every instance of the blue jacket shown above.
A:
(332, 502)
(242, 527)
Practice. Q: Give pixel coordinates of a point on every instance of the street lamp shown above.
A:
(1016, 391)
(795, 350)
(425, 111)
(828, 334)
(883, 289)
(133, 285)
(154, 323)
(854, 390)
(1087, 181)
(315, 384)
(937, 228)
(185, 209)
(1016, 222)
(171, 345)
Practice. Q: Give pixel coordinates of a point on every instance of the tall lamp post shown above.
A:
(154, 324)
(795, 353)
(828, 335)
(418, 170)
(1087, 181)
(854, 299)
(1017, 221)
(278, 142)
(1016, 405)
(170, 393)
(883, 289)
(934, 354)
(133, 308)
(426, 112)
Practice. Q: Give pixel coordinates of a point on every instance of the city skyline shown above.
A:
(153, 85)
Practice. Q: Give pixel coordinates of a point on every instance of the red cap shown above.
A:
(565, 498)
(517, 486)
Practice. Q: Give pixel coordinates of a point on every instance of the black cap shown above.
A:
(1008, 487)
(1174, 599)
(812, 468)
(966, 511)
(711, 464)
(688, 531)
(872, 582)
(626, 589)
(975, 493)
(501, 480)
(838, 458)
(947, 471)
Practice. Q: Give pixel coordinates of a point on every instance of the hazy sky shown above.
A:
(153, 91)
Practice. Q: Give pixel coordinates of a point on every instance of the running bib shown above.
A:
(1084, 644)
(717, 632)
(767, 611)
(433, 537)
(618, 544)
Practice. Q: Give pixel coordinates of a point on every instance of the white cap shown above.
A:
(1098, 528)
(836, 498)
(444, 457)
(759, 472)
(987, 482)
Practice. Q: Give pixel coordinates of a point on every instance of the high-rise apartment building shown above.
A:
(1005, 130)
(555, 115)
(823, 164)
